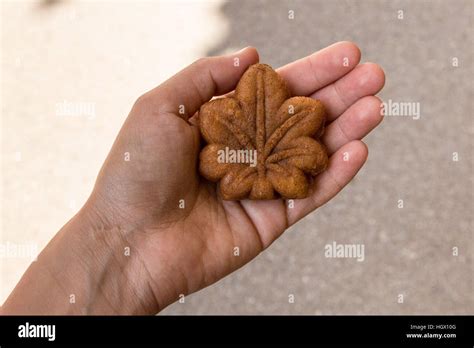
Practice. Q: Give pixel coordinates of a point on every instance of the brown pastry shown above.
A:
(261, 144)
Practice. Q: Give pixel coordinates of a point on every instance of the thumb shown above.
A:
(199, 82)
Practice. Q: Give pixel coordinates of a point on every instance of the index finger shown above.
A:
(306, 75)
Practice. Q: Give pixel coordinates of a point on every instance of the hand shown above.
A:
(181, 235)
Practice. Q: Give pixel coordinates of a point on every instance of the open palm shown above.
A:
(186, 237)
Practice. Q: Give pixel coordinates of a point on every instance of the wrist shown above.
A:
(89, 267)
(108, 268)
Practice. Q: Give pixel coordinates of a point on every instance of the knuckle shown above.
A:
(143, 105)
(142, 101)
(202, 62)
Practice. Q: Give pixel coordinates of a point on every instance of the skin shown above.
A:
(132, 250)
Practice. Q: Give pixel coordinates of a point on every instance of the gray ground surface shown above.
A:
(407, 251)
(110, 53)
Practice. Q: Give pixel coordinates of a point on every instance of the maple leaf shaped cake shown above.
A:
(261, 143)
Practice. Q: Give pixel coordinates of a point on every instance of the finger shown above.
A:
(184, 93)
(366, 79)
(321, 68)
(268, 218)
(343, 166)
(354, 124)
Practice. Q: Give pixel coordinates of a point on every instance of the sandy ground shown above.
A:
(102, 55)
